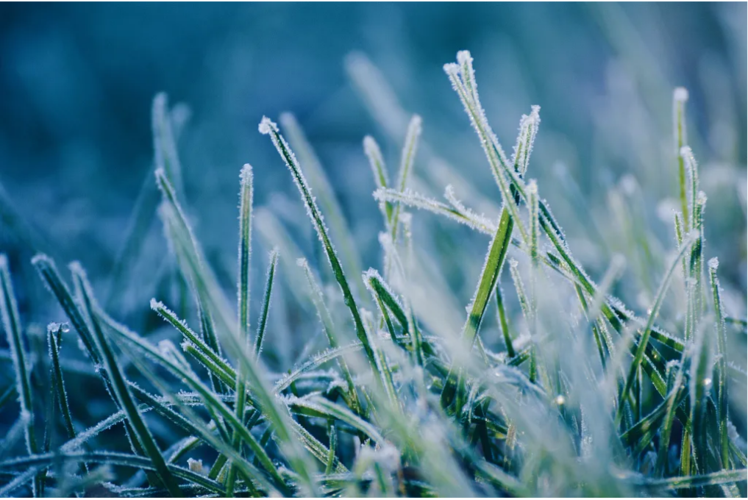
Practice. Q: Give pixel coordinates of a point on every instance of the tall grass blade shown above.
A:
(680, 96)
(406, 166)
(486, 284)
(54, 331)
(379, 170)
(325, 194)
(267, 127)
(245, 252)
(269, 280)
(330, 330)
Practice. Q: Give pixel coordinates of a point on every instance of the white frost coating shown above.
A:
(713, 263)
(680, 94)
(376, 160)
(417, 200)
(528, 130)
(372, 275)
(701, 198)
(468, 213)
(409, 150)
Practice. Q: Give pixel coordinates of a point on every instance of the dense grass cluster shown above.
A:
(575, 395)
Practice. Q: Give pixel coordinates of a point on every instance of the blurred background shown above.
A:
(77, 82)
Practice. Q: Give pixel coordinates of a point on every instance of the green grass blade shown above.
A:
(722, 363)
(487, 282)
(461, 75)
(269, 280)
(381, 178)
(330, 331)
(245, 253)
(54, 337)
(208, 396)
(269, 128)
(406, 166)
(503, 323)
(715, 478)
(211, 300)
(164, 143)
(680, 96)
(318, 406)
(111, 458)
(325, 195)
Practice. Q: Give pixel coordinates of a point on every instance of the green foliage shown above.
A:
(575, 395)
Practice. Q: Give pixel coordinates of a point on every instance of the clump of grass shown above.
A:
(577, 395)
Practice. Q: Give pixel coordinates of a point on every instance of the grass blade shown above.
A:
(245, 253)
(487, 283)
(379, 169)
(329, 328)
(269, 280)
(680, 96)
(406, 165)
(325, 194)
(269, 128)
(54, 337)
(722, 363)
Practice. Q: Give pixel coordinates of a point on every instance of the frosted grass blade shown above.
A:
(379, 170)
(54, 331)
(112, 458)
(680, 96)
(209, 396)
(245, 252)
(330, 330)
(269, 128)
(406, 165)
(269, 280)
(487, 283)
(321, 185)
(721, 363)
(211, 300)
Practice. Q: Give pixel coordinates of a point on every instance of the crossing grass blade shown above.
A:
(206, 394)
(267, 127)
(330, 330)
(641, 347)
(120, 387)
